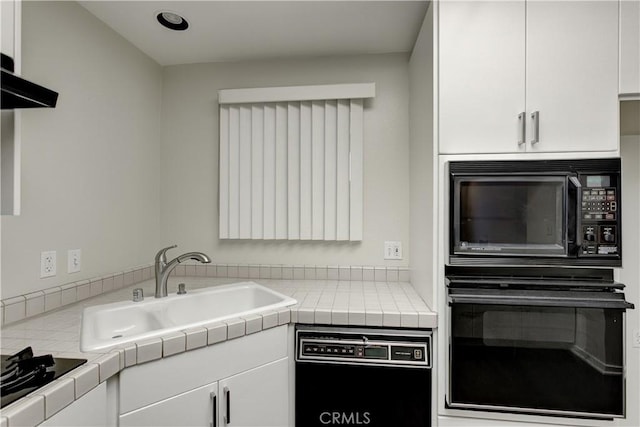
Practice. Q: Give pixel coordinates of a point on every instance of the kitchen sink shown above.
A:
(109, 325)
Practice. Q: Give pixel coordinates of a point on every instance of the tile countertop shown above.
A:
(344, 303)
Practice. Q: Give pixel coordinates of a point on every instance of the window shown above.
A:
(291, 162)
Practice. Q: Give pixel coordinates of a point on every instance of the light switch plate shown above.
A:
(74, 260)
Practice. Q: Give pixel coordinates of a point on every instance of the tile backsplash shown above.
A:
(21, 307)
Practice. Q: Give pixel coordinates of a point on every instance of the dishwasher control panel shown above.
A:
(364, 349)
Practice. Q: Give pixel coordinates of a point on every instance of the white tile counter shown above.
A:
(347, 303)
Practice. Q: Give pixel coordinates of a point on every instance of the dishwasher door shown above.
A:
(373, 377)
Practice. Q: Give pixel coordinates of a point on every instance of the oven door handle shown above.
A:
(542, 301)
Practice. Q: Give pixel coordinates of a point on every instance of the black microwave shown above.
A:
(535, 212)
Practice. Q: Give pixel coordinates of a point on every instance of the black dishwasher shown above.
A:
(355, 376)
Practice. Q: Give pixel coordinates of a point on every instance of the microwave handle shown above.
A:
(573, 180)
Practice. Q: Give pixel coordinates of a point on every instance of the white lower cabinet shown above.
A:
(257, 397)
(193, 408)
(240, 382)
(90, 410)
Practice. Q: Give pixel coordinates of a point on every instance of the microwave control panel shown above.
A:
(599, 217)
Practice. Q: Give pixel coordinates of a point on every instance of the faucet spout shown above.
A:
(164, 268)
(198, 256)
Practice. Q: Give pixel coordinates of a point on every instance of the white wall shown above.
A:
(90, 167)
(421, 155)
(190, 157)
(629, 274)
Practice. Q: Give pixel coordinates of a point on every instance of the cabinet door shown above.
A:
(90, 410)
(10, 173)
(258, 397)
(10, 15)
(194, 408)
(630, 47)
(572, 74)
(481, 76)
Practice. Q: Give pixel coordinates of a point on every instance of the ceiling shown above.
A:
(248, 30)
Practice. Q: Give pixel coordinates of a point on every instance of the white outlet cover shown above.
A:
(48, 264)
(74, 260)
(392, 250)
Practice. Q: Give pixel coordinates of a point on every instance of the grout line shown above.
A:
(143, 273)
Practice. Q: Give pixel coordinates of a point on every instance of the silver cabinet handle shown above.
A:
(214, 403)
(227, 398)
(535, 123)
(521, 128)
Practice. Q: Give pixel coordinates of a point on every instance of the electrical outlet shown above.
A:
(636, 338)
(47, 264)
(392, 250)
(74, 260)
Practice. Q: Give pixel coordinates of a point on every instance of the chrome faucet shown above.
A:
(164, 268)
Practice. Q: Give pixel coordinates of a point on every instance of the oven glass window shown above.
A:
(523, 215)
(537, 359)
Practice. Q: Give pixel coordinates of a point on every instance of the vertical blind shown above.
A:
(291, 162)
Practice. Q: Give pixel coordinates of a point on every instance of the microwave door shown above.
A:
(510, 216)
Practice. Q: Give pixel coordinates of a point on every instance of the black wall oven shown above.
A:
(535, 212)
(536, 340)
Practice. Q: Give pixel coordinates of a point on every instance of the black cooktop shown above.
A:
(23, 373)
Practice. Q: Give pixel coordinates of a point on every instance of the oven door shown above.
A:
(537, 351)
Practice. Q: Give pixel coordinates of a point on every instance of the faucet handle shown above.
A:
(138, 295)
(161, 256)
(181, 289)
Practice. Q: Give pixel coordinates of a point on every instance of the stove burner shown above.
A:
(23, 372)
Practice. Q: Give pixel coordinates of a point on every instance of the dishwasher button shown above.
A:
(417, 354)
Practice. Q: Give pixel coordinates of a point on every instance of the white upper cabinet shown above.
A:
(481, 76)
(572, 74)
(10, 14)
(10, 149)
(630, 47)
(528, 77)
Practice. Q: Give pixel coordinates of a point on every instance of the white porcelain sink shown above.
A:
(108, 325)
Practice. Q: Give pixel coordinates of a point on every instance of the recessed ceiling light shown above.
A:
(172, 20)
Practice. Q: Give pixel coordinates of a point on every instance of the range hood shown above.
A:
(20, 93)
